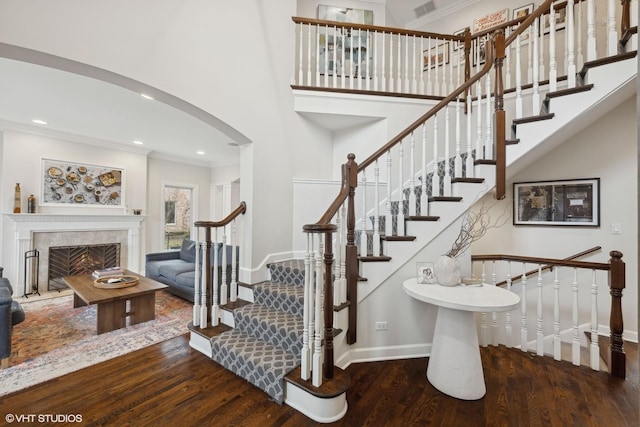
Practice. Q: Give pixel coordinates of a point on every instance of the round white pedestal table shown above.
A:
(455, 367)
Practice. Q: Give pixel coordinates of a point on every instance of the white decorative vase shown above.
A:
(447, 270)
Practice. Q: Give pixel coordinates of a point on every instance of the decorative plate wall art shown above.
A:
(81, 184)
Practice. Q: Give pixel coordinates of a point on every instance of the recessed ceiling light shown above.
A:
(145, 96)
(138, 142)
(39, 122)
(200, 152)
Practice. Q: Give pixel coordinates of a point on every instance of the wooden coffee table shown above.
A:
(135, 303)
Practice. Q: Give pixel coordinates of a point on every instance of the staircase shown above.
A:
(270, 339)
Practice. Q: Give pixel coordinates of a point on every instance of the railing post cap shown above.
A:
(616, 254)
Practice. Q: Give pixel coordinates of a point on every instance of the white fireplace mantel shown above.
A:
(24, 226)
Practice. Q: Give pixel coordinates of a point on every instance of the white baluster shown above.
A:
(424, 196)
(375, 59)
(591, 31)
(470, 172)
(367, 58)
(529, 56)
(540, 38)
(406, 85)
(358, 64)
(536, 77)
(391, 81)
(557, 343)
(215, 298)
(518, 81)
(325, 66)
(594, 355)
(343, 72)
(339, 243)
(310, 307)
(523, 310)
(234, 261)
(436, 69)
(399, 63)
(575, 336)
(334, 73)
(451, 87)
(421, 65)
(317, 345)
(479, 141)
(363, 234)
(580, 54)
(197, 287)
(447, 170)
(224, 291)
(376, 212)
(309, 55)
(300, 61)
(414, 81)
(539, 331)
(351, 56)
(435, 178)
(317, 56)
(508, 326)
(203, 285)
(488, 145)
(305, 354)
(611, 29)
(553, 64)
(457, 163)
(571, 56)
(412, 176)
(388, 218)
(400, 217)
(383, 85)
(429, 82)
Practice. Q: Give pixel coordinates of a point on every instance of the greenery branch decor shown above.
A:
(475, 225)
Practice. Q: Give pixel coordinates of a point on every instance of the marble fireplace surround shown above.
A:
(31, 230)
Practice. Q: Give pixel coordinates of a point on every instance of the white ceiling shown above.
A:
(90, 110)
(87, 109)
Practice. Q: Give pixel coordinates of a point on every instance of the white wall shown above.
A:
(607, 150)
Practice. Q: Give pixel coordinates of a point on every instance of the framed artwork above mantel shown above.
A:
(65, 183)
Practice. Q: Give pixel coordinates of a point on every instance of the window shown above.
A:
(178, 218)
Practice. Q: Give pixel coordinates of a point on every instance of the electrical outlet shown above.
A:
(382, 326)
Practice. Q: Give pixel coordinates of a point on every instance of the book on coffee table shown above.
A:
(111, 271)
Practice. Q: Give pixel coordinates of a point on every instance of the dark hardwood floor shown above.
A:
(171, 384)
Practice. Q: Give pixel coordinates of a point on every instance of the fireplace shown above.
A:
(75, 260)
(42, 231)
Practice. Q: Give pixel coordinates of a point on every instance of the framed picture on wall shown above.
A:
(436, 56)
(522, 12)
(66, 183)
(561, 20)
(565, 202)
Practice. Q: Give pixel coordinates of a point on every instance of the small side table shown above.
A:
(455, 367)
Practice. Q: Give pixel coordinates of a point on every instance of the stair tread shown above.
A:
(398, 238)
(569, 91)
(445, 199)
(421, 218)
(288, 271)
(284, 296)
(374, 258)
(531, 119)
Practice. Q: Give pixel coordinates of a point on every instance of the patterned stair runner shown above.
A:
(266, 342)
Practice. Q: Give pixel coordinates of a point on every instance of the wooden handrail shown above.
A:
(539, 260)
(548, 267)
(240, 210)
(617, 281)
(432, 112)
(400, 31)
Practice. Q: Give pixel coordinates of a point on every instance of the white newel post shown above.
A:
(196, 288)
(539, 330)
(305, 355)
(557, 352)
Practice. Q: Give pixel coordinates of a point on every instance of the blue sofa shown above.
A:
(176, 268)
(11, 314)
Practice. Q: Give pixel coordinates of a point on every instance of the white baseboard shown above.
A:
(375, 354)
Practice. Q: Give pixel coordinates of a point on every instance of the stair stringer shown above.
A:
(425, 231)
(613, 84)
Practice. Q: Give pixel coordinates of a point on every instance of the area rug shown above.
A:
(56, 339)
